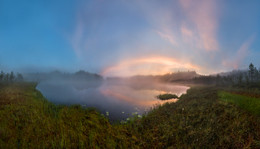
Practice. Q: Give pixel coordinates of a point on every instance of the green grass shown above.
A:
(167, 96)
(251, 104)
(198, 120)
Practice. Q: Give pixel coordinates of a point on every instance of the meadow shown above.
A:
(205, 117)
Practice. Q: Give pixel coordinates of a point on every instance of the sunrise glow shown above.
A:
(147, 66)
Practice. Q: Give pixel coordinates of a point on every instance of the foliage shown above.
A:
(167, 96)
(10, 77)
(237, 78)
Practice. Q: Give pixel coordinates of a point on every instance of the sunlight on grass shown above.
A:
(249, 103)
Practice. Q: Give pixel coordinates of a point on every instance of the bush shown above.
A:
(167, 96)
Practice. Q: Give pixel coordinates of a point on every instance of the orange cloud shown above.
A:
(147, 66)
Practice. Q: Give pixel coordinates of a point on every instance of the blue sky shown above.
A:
(121, 37)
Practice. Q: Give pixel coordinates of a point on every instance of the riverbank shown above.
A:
(28, 120)
(199, 119)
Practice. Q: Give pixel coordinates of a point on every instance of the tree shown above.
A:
(255, 76)
(252, 72)
(240, 79)
(258, 74)
(19, 77)
(6, 77)
(247, 79)
(2, 76)
(218, 79)
(11, 78)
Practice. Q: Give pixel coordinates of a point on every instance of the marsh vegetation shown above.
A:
(199, 119)
(209, 116)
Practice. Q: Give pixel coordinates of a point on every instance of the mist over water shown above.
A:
(120, 98)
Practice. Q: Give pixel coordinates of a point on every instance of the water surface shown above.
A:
(118, 101)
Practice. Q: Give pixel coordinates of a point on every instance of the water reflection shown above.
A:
(141, 97)
(119, 99)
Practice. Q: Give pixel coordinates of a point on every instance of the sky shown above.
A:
(129, 37)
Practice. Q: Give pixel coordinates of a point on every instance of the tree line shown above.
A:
(10, 77)
(237, 78)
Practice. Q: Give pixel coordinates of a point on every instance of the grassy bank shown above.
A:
(199, 119)
(27, 120)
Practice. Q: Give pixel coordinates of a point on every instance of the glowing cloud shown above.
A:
(147, 66)
(194, 31)
(203, 15)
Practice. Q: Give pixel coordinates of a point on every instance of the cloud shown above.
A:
(187, 35)
(240, 55)
(77, 37)
(204, 17)
(185, 30)
(183, 25)
(168, 37)
(147, 66)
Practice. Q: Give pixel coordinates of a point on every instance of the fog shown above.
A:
(120, 97)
